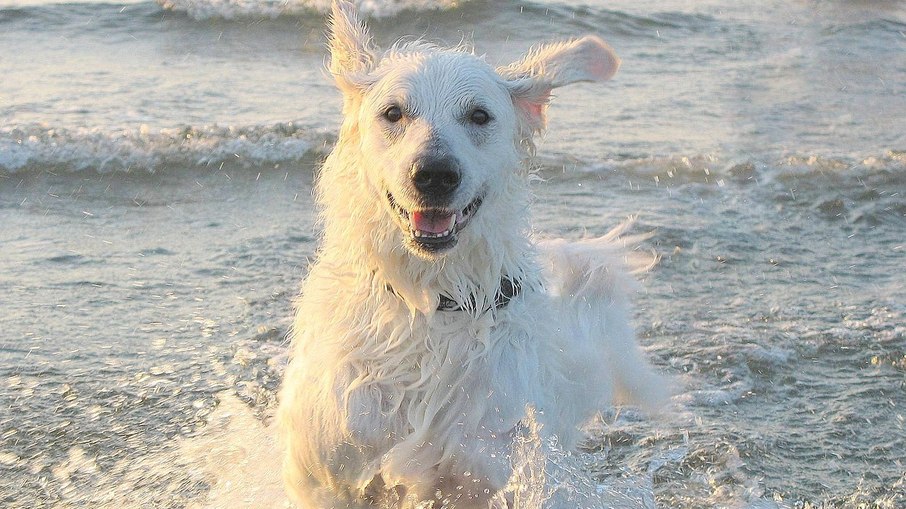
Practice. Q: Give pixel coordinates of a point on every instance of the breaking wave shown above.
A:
(39, 148)
(231, 9)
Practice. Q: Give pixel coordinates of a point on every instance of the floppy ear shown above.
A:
(352, 51)
(549, 66)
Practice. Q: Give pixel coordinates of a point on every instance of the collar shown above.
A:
(507, 291)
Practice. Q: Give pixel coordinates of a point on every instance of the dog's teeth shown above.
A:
(428, 235)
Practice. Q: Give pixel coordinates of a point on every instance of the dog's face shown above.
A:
(441, 128)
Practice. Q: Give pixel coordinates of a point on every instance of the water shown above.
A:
(156, 166)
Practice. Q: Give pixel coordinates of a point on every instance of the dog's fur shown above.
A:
(388, 401)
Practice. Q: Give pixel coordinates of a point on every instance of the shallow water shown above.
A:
(155, 201)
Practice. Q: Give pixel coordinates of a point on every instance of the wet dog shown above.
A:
(431, 321)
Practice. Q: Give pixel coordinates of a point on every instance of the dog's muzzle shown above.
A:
(433, 230)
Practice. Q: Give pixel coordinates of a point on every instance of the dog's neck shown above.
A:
(506, 292)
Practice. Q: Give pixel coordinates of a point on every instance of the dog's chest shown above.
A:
(450, 370)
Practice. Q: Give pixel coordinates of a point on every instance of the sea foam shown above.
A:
(143, 148)
(231, 9)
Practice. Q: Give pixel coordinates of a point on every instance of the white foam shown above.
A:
(231, 9)
(547, 476)
(143, 148)
(239, 457)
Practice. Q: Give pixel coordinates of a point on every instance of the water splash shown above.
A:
(545, 475)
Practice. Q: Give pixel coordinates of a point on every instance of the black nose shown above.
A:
(436, 177)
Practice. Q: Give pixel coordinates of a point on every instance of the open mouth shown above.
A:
(434, 229)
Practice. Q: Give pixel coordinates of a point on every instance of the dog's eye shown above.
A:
(479, 117)
(393, 114)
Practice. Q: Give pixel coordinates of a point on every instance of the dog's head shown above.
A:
(439, 130)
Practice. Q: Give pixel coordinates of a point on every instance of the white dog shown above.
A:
(430, 321)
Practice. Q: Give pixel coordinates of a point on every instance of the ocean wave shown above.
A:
(654, 24)
(68, 12)
(713, 170)
(231, 9)
(554, 18)
(38, 148)
(48, 15)
(41, 147)
(862, 28)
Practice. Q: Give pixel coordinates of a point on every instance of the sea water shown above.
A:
(156, 217)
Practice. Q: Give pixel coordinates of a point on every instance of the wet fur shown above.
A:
(388, 402)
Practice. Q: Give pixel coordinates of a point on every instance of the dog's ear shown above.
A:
(352, 52)
(549, 66)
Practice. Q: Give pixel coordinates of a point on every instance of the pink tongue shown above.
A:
(431, 221)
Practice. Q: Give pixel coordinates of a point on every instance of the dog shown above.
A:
(431, 321)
